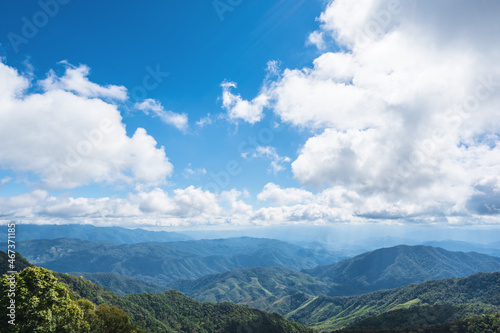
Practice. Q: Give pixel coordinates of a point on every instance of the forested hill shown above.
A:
(78, 305)
(478, 294)
(429, 319)
(400, 265)
(275, 288)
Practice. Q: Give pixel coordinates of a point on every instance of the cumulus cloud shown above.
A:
(405, 115)
(69, 137)
(316, 38)
(156, 207)
(168, 117)
(402, 124)
(276, 195)
(237, 108)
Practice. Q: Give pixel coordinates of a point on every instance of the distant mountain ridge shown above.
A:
(92, 233)
(161, 263)
(401, 265)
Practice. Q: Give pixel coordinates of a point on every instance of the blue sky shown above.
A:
(190, 43)
(263, 112)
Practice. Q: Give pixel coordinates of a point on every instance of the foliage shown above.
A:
(43, 304)
(20, 262)
(479, 293)
(173, 312)
(257, 287)
(477, 324)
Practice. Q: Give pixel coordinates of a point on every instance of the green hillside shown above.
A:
(418, 316)
(479, 293)
(120, 284)
(173, 312)
(476, 324)
(257, 287)
(283, 290)
(46, 305)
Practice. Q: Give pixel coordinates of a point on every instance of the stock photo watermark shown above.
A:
(11, 254)
(378, 23)
(150, 81)
(222, 7)
(454, 119)
(85, 147)
(31, 26)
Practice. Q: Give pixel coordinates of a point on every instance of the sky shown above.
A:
(233, 113)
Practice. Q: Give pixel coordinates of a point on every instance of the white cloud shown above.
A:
(406, 114)
(403, 125)
(316, 38)
(168, 117)
(205, 121)
(387, 107)
(238, 108)
(75, 80)
(276, 195)
(270, 153)
(190, 172)
(190, 206)
(69, 139)
(5, 180)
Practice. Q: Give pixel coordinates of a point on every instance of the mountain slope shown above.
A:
(416, 316)
(256, 287)
(275, 288)
(161, 263)
(47, 305)
(400, 265)
(89, 232)
(483, 323)
(173, 312)
(120, 284)
(480, 291)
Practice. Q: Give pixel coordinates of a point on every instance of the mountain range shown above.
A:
(46, 297)
(429, 304)
(89, 232)
(381, 269)
(161, 263)
(401, 265)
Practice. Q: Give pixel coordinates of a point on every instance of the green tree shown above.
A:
(110, 319)
(42, 304)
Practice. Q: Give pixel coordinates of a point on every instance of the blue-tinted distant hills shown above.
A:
(163, 262)
(89, 232)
